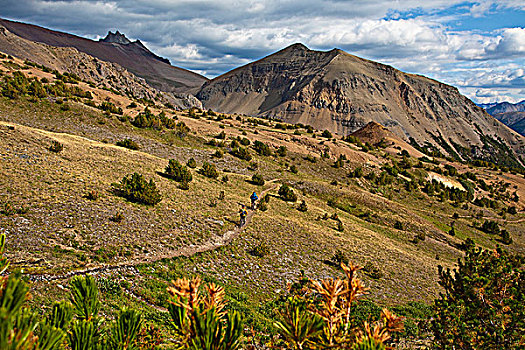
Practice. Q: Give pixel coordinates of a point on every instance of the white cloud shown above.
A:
(216, 36)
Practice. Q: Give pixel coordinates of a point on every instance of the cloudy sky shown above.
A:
(477, 46)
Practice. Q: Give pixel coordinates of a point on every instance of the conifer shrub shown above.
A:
(191, 163)
(302, 207)
(93, 195)
(209, 170)
(73, 324)
(260, 250)
(339, 258)
(340, 226)
(262, 148)
(241, 153)
(258, 179)
(56, 147)
(321, 315)
(263, 206)
(483, 303)
(218, 154)
(490, 227)
(282, 151)
(117, 217)
(506, 238)
(244, 141)
(339, 163)
(398, 225)
(136, 188)
(225, 179)
(287, 194)
(178, 172)
(128, 143)
(327, 134)
(293, 169)
(372, 270)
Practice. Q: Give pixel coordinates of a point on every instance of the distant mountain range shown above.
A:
(330, 90)
(510, 114)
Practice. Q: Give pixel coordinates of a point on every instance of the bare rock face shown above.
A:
(116, 38)
(340, 92)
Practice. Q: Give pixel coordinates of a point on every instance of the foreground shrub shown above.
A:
(200, 317)
(483, 303)
(287, 194)
(128, 143)
(136, 188)
(319, 316)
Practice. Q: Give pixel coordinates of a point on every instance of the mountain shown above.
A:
(116, 48)
(340, 92)
(510, 114)
(68, 59)
(504, 107)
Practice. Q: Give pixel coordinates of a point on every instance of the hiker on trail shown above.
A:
(243, 213)
(254, 198)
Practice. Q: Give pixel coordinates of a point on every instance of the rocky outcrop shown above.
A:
(116, 38)
(340, 92)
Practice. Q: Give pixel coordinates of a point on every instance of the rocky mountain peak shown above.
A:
(117, 38)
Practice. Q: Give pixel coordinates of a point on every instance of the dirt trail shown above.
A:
(213, 243)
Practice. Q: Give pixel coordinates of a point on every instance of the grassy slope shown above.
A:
(62, 230)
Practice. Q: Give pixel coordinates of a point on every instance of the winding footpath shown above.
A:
(213, 243)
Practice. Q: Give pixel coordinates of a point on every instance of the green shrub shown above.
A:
(281, 151)
(506, 238)
(338, 258)
(372, 270)
(244, 141)
(110, 107)
(260, 250)
(340, 226)
(302, 207)
(483, 303)
(262, 149)
(258, 179)
(56, 147)
(191, 163)
(287, 194)
(327, 134)
(293, 169)
(209, 170)
(398, 225)
(117, 217)
(490, 227)
(242, 153)
(92, 195)
(128, 143)
(135, 188)
(178, 172)
(218, 154)
(263, 206)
